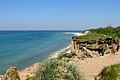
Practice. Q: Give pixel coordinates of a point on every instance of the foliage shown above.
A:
(54, 70)
(91, 36)
(67, 55)
(110, 31)
(110, 72)
(75, 74)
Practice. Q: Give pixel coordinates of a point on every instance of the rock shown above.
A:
(11, 74)
(94, 48)
(65, 71)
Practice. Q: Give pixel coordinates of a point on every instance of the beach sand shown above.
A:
(78, 33)
(93, 66)
(28, 72)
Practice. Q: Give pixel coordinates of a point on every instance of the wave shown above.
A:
(61, 52)
(75, 33)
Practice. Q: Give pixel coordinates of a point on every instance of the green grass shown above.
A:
(110, 73)
(75, 74)
(91, 36)
(54, 70)
(109, 30)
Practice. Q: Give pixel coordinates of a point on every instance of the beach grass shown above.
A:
(91, 36)
(54, 69)
(109, 30)
(110, 72)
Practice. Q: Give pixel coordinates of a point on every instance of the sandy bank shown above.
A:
(92, 67)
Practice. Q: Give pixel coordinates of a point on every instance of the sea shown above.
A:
(24, 48)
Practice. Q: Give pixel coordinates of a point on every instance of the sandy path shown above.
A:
(92, 67)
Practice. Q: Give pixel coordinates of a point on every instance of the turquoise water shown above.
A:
(24, 48)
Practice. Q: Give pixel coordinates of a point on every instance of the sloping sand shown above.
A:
(93, 66)
(28, 72)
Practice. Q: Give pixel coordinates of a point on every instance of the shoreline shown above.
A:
(67, 49)
(23, 73)
(60, 52)
(75, 33)
(31, 70)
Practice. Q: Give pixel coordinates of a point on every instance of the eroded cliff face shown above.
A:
(94, 48)
(11, 74)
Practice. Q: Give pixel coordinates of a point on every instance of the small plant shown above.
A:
(68, 77)
(48, 71)
(75, 75)
(54, 69)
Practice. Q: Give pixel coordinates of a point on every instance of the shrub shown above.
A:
(54, 69)
(110, 72)
(110, 31)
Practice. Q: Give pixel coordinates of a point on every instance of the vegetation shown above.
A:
(110, 31)
(56, 70)
(69, 55)
(91, 36)
(102, 33)
(60, 70)
(110, 72)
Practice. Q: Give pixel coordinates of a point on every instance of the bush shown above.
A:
(110, 31)
(110, 72)
(56, 70)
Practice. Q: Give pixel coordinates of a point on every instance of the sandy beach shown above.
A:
(76, 33)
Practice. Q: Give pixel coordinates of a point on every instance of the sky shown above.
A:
(58, 14)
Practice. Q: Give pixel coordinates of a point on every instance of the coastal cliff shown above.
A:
(89, 57)
(94, 47)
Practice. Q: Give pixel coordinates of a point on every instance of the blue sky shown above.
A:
(58, 14)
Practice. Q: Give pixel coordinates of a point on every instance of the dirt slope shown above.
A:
(93, 66)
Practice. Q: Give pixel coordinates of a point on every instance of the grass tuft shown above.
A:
(110, 72)
(91, 36)
(56, 70)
